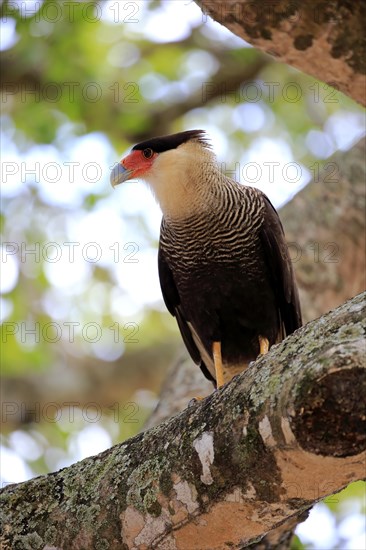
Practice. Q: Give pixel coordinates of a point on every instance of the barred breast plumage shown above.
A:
(224, 267)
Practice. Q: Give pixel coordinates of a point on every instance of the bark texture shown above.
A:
(323, 39)
(225, 471)
(325, 230)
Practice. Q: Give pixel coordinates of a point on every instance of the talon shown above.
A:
(216, 352)
(263, 345)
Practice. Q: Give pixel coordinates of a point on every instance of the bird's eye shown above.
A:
(147, 153)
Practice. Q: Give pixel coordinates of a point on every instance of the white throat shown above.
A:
(179, 180)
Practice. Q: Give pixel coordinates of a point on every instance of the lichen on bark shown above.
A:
(243, 452)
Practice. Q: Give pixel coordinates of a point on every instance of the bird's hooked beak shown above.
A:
(134, 165)
(119, 174)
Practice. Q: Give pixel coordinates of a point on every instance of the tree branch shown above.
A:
(279, 437)
(325, 229)
(324, 39)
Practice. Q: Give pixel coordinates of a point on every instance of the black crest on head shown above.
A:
(172, 141)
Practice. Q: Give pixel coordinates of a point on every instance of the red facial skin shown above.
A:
(137, 163)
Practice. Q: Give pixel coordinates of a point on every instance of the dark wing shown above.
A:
(280, 268)
(172, 302)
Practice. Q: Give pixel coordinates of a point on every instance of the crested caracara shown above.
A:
(224, 266)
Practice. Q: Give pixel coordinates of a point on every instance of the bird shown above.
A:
(224, 266)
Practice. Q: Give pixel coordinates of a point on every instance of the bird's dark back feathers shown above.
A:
(280, 269)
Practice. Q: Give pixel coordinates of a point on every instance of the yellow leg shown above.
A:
(216, 351)
(263, 345)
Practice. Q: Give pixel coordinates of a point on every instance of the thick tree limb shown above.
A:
(325, 230)
(323, 39)
(279, 437)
